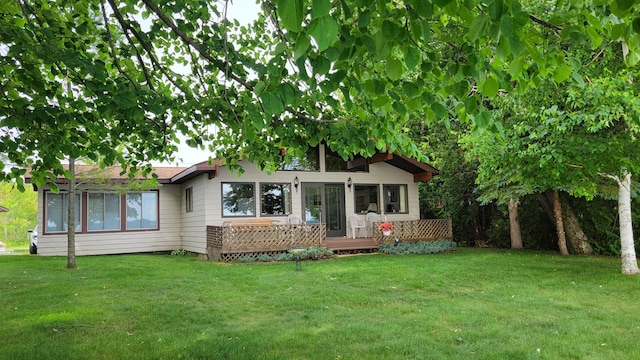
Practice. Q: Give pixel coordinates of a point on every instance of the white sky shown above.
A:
(245, 11)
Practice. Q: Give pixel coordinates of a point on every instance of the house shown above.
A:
(207, 209)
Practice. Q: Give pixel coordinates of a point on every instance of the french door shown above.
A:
(324, 203)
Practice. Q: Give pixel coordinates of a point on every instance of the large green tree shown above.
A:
(343, 71)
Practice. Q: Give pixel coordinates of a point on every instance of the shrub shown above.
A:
(316, 253)
(283, 257)
(265, 258)
(246, 259)
(420, 247)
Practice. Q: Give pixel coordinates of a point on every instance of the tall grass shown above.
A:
(471, 304)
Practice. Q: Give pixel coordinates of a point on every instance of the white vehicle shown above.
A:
(33, 240)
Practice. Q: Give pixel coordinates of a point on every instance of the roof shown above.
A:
(177, 175)
(113, 173)
(3, 209)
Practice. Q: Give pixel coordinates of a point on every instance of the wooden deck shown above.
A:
(348, 245)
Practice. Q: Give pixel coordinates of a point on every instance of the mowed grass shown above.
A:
(470, 304)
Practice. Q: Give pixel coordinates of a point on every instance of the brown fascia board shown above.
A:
(196, 170)
(421, 171)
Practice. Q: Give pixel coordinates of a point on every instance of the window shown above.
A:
(366, 197)
(310, 162)
(142, 210)
(237, 199)
(395, 198)
(188, 194)
(57, 211)
(275, 199)
(335, 163)
(103, 211)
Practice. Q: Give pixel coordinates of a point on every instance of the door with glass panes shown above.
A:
(324, 203)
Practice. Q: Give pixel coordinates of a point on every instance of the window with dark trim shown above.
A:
(142, 210)
(335, 163)
(275, 199)
(188, 195)
(395, 199)
(238, 199)
(366, 198)
(309, 162)
(57, 210)
(103, 211)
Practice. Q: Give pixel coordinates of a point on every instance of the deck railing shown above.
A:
(415, 230)
(229, 243)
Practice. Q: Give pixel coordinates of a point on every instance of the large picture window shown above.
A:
(142, 210)
(366, 198)
(310, 161)
(103, 211)
(335, 163)
(275, 199)
(238, 199)
(57, 212)
(395, 199)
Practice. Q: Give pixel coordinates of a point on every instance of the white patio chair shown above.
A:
(295, 219)
(355, 223)
(369, 220)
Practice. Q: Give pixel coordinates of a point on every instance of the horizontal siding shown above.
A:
(379, 173)
(167, 238)
(193, 232)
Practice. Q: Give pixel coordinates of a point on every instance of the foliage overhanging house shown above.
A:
(206, 209)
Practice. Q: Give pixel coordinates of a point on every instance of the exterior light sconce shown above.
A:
(296, 182)
(349, 183)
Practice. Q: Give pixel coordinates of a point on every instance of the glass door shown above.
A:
(325, 203)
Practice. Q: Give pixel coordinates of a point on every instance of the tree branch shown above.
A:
(546, 24)
(112, 47)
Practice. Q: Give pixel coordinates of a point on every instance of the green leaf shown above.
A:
(625, 4)
(291, 13)
(479, 27)
(636, 25)
(412, 57)
(394, 69)
(489, 87)
(439, 110)
(325, 32)
(287, 93)
(562, 73)
(390, 30)
(320, 8)
(442, 3)
(302, 45)
(423, 8)
(272, 103)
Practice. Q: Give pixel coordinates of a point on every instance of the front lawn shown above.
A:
(469, 304)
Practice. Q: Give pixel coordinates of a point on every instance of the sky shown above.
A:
(245, 11)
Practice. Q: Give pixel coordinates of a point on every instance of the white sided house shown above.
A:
(206, 209)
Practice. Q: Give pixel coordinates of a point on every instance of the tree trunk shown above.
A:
(577, 238)
(71, 216)
(557, 213)
(628, 251)
(514, 226)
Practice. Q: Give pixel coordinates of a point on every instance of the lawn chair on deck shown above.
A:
(355, 223)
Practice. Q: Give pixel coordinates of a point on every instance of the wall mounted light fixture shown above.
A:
(349, 183)
(296, 182)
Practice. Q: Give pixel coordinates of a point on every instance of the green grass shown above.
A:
(470, 304)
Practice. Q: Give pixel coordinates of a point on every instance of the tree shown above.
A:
(306, 71)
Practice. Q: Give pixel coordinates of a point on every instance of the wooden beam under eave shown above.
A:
(380, 157)
(213, 174)
(424, 176)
